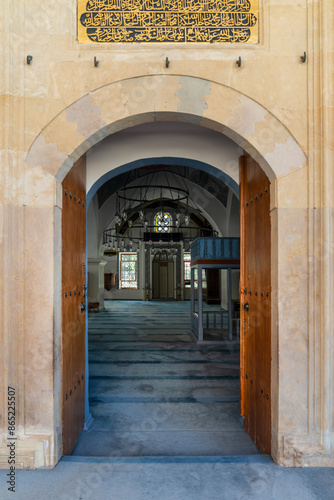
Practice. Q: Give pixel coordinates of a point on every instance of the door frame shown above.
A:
(271, 144)
(159, 276)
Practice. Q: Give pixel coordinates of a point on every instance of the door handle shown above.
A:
(82, 307)
(246, 306)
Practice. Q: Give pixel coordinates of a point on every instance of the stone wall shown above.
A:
(275, 107)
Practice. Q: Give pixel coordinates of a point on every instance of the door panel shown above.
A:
(255, 298)
(156, 290)
(73, 294)
(170, 280)
(163, 281)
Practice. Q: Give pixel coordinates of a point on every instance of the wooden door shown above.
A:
(163, 278)
(170, 280)
(255, 298)
(156, 280)
(73, 303)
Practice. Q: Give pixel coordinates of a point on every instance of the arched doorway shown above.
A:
(253, 367)
(243, 120)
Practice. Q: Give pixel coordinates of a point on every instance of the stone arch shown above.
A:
(147, 99)
(139, 100)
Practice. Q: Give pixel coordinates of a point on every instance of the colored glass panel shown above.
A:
(162, 222)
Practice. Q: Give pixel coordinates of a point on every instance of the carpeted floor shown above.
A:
(153, 392)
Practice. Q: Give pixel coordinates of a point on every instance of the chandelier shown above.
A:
(138, 204)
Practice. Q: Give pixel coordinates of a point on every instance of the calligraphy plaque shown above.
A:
(183, 21)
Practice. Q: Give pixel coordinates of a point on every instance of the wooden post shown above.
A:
(200, 305)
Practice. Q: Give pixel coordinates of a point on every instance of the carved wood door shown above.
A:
(73, 304)
(255, 302)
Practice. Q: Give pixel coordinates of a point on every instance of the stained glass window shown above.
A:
(162, 222)
(128, 270)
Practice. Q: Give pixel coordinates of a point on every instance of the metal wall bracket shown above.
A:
(29, 59)
(303, 58)
(167, 62)
(238, 62)
(96, 62)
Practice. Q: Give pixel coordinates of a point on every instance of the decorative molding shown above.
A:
(32, 451)
(305, 451)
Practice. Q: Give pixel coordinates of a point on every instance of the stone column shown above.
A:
(306, 425)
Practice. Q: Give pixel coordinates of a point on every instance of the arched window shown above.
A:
(162, 222)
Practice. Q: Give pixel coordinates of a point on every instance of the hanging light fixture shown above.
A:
(137, 200)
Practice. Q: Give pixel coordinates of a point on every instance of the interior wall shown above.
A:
(233, 229)
(163, 139)
(92, 224)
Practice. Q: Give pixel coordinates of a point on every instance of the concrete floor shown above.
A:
(165, 414)
(154, 392)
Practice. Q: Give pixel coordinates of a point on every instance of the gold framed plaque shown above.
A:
(172, 21)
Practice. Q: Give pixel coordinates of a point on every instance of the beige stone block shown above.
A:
(69, 129)
(267, 133)
(38, 114)
(111, 102)
(292, 300)
(11, 127)
(158, 93)
(5, 103)
(221, 104)
(294, 120)
(286, 157)
(45, 155)
(39, 188)
(38, 314)
(287, 37)
(292, 190)
(71, 80)
(48, 18)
